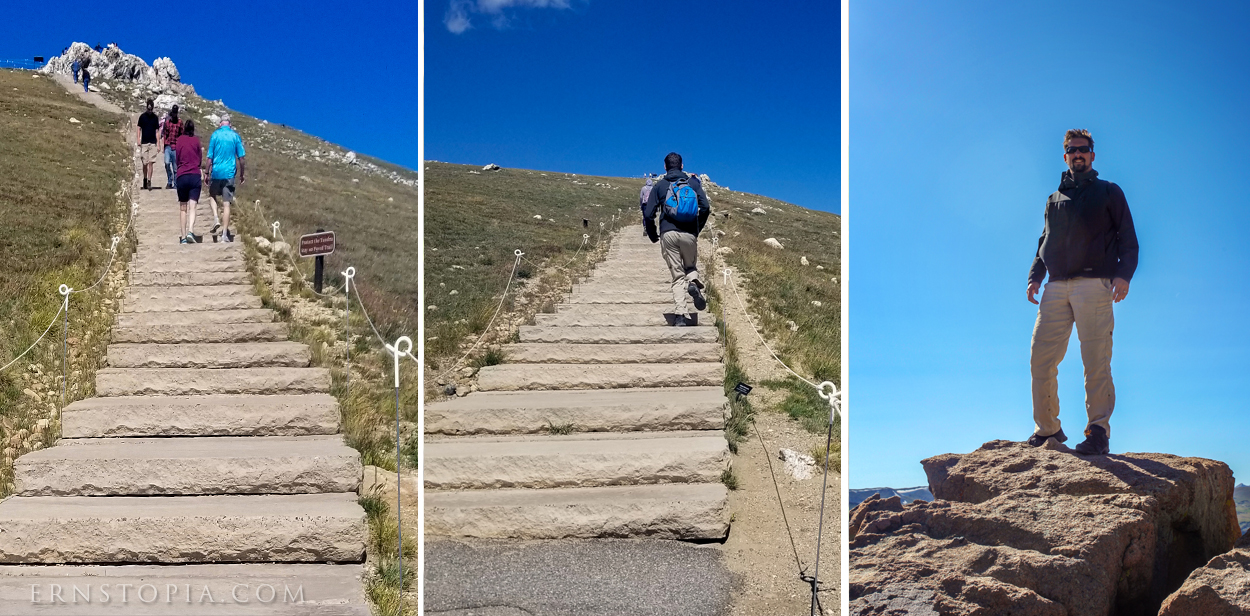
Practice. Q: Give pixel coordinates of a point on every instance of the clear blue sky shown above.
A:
(747, 93)
(345, 72)
(957, 120)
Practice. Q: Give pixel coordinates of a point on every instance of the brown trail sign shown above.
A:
(318, 245)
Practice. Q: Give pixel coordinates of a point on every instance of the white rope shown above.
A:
(519, 256)
(277, 235)
(756, 329)
(45, 333)
(134, 207)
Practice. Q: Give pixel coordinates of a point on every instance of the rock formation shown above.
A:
(161, 77)
(1221, 588)
(1032, 532)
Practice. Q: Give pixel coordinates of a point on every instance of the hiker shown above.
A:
(642, 199)
(86, 75)
(75, 66)
(1089, 248)
(146, 137)
(190, 155)
(225, 153)
(683, 209)
(170, 130)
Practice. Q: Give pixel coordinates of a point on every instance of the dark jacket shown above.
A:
(655, 205)
(1088, 234)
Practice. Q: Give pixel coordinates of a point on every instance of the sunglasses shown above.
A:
(1084, 149)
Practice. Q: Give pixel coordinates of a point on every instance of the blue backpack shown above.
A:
(681, 204)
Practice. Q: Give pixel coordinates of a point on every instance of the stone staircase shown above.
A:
(208, 470)
(604, 422)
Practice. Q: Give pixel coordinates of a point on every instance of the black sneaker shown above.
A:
(699, 302)
(197, 238)
(227, 236)
(1038, 440)
(213, 231)
(679, 320)
(1096, 442)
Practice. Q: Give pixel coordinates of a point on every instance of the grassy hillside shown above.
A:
(1241, 496)
(60, 202)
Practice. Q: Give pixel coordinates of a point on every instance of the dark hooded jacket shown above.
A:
(1088, 232)
(655, 206)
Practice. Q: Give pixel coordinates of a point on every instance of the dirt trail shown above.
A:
(759, 551)
(92, 98)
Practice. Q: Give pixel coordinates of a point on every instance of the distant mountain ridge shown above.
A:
(906, 494)
(1241, 498)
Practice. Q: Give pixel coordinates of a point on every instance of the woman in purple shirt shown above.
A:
(190, 156)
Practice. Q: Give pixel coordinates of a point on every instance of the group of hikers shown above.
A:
(187, 168)
(678, 201)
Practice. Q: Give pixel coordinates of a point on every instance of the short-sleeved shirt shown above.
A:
(223, 148)
(189, 152)
(148, 123)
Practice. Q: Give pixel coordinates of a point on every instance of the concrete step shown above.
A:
(212, 415)
(157, 266)
(163, 590)
(182, 529)
(565, 353)
(681, 511)
(189, 466)
(191, 304)
(651, 297)
(623, 287)
(603, 459)
(199, 317)
(209, 355)
(162, 253)
(207, 381)
(665, 307)
(625, 319)
(618, 335)
(212, 332)
(187, 279)
(517, 377)
(618, 410)
(188, 292)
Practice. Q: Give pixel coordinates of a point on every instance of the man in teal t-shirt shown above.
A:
(225, 149)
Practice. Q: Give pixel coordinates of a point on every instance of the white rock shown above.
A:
(306, 178)
(355, 180)
(817, 303)
(214, 118)
(262, 244)
(350, 158)
(820, 267)
(390, 199)
(166, 101)
(834, 280)
(491, 167)
(105, 86)
(453, 292)
(538, 217)
(281, 248)
(431, 308)
(758, 210)
(794, 327)
(803, 261)
(772, 241)
(724, 250)
(798, 465)
(475, 172)
(74, 121)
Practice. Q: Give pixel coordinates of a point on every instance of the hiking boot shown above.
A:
(1038, 440)
(699, 302)
(1096, 442)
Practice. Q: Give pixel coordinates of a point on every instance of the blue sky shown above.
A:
(344, 72)
(745, 94)
(957, 119)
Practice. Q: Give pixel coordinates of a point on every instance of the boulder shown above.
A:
(758, 210)
(114, 64)
(350, 158)
(1032, 531)
(772, 241)
(803, 261)
(1221, 588)
(491, 167)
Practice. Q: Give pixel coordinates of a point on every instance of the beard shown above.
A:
(1079, 165)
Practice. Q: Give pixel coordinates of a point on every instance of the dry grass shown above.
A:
(59, 205)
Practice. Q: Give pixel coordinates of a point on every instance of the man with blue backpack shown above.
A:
(683, 209)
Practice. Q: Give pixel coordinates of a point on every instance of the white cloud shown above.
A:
(460, 12)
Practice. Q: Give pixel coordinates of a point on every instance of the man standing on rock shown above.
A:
(225, 149)
(147, 139)
(683, 208)
(1089, 248)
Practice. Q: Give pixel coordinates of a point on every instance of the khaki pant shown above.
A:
(1087, 303)
(681, 254)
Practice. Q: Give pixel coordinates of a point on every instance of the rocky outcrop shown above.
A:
(161, 77)
(1032, 532)
(1221, 588)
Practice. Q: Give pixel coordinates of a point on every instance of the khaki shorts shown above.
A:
(148, 153)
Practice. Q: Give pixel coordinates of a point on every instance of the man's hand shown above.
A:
(1119, 289)
(1034, 287)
